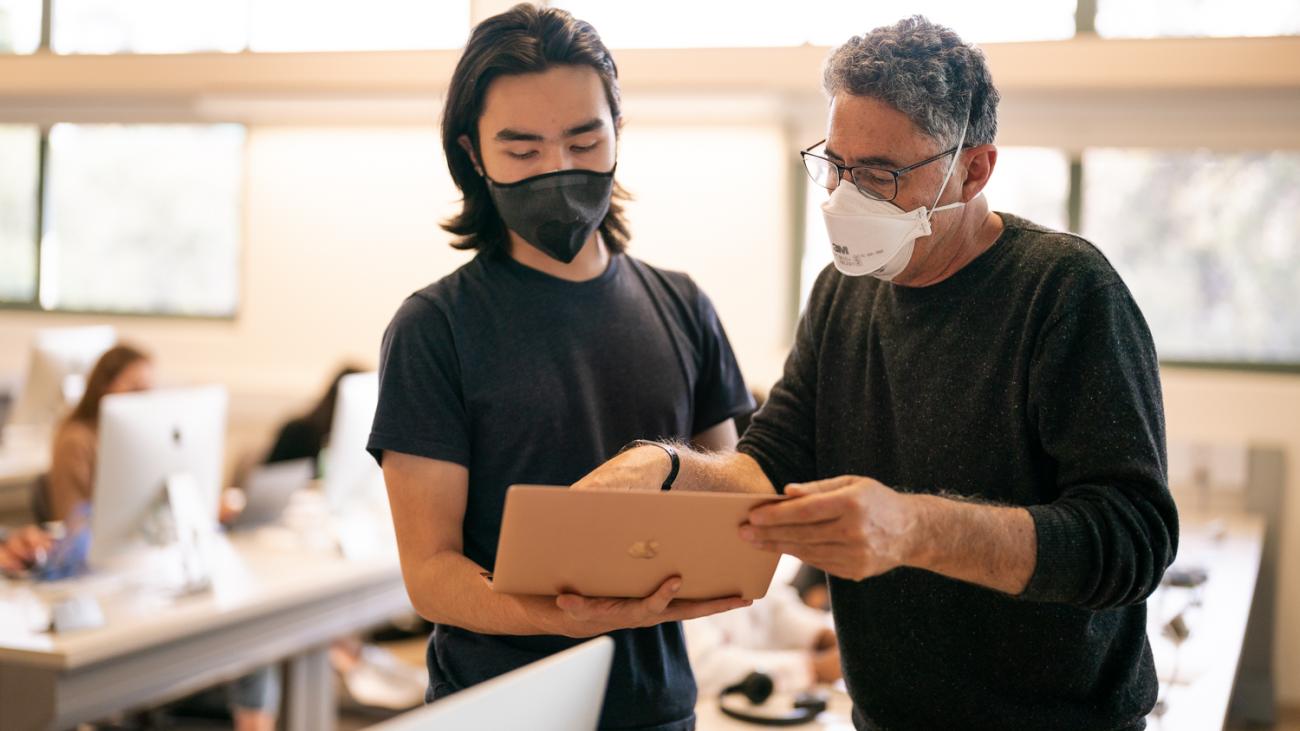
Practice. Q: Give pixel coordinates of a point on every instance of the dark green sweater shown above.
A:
(1027, 378)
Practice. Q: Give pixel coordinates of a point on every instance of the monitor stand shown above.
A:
(194, 531)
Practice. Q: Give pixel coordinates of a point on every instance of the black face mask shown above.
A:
(556, 212)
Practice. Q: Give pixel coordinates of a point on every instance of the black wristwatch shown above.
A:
(672, 457)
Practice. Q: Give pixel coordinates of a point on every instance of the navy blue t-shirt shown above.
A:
(526, 378)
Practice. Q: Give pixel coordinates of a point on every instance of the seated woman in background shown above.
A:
(254, 699)
(123, 369)
(304, 436)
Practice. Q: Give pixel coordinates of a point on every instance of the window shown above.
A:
(20, 26)
(1030, 182)
(1033, 183)
(142, 219)
(1207, 242)
(347, 25)
(1014, 20)
(20, 150)
(183, 26)
(690, 23)
(1156, 18)
(148, 26)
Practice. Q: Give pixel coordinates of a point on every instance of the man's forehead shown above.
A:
(867, 131)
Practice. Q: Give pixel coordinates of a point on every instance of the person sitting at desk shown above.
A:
(254, 698)
(123, 369)
(304, 437)
(370, 675)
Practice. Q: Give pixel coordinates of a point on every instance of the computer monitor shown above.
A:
(351, 475)
(564, 692)
(61, 359)
(353, 483)
(146, 439)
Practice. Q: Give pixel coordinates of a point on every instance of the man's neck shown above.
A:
(591, 261)
(975, 232)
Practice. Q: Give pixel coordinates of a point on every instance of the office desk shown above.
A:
(272, 599)
(1203, 672)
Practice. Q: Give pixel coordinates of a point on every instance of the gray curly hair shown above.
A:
(923, 70)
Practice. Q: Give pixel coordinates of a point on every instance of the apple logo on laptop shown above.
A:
(644, 549)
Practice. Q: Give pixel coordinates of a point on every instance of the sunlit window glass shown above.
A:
(695, 24)
(350, 25)
(20, 26)
(1014, 20)
(1208, 244)
(143, 219)
(148, 26)
(20, 151)
(1033, 183)
(1030, 182)
(1157, 18)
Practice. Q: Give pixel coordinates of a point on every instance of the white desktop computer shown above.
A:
(350, 473)
(61, 359)
(158, 471)
(352, 481)
(563, 692)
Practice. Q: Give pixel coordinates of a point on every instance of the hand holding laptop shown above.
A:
(615, 560)
(598, 616)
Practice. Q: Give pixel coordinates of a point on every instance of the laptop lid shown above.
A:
(625, 544)
(269, 488)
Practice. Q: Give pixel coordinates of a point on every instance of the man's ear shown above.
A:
(468, 147)
(980, 161)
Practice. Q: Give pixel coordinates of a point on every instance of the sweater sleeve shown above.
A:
(1112, 529)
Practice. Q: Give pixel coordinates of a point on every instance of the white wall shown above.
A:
(713, 201)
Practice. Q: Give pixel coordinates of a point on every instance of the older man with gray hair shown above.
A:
(969, 426)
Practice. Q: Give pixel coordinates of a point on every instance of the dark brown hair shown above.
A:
(109, 366)
(321, 416)
(525, 39)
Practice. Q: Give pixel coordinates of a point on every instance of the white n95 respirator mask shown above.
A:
(875, 237)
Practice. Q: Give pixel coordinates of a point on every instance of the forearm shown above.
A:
(991, 546)
(647, 466)
(720, 472)
(449, 588)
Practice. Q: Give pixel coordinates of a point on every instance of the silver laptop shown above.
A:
(269, 488)
(564, 692)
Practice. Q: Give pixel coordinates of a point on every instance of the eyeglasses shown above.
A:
(873, 181)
